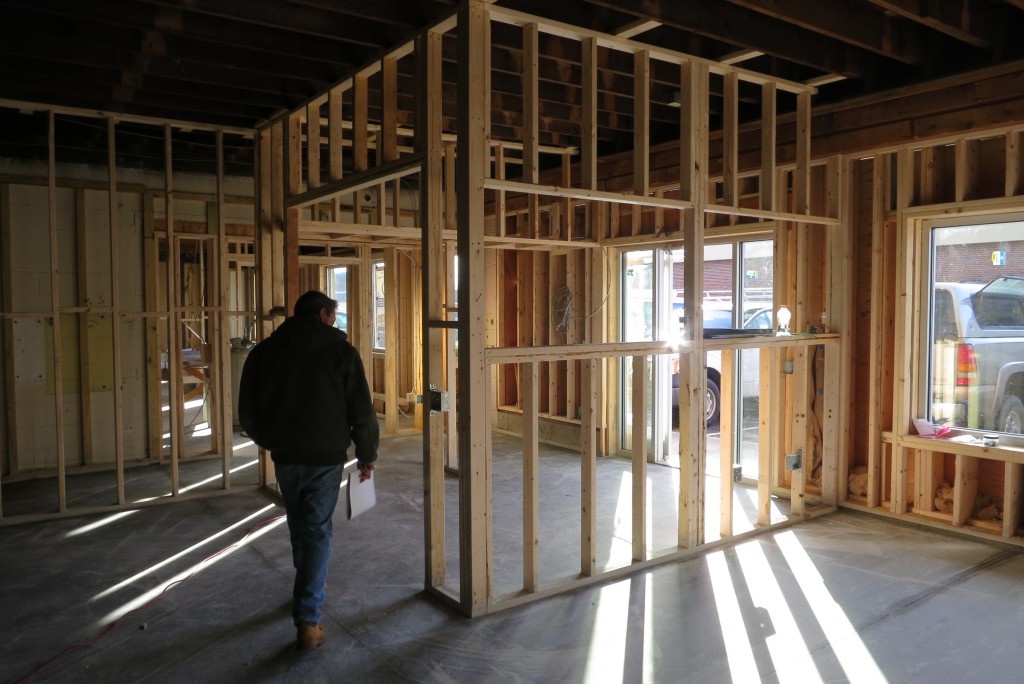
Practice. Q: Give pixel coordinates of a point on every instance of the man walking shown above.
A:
(303, 395)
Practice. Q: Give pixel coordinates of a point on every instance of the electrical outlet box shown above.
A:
(794, 461)
(737, 472)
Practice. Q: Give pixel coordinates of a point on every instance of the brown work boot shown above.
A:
(308, 636)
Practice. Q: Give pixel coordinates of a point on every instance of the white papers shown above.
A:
(362, 496)
(924, 427)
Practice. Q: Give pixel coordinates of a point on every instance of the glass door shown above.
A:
(638, 325)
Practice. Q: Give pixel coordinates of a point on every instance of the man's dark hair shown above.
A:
(309, 304)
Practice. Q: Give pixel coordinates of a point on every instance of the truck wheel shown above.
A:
(1011, 416)
(711, 402)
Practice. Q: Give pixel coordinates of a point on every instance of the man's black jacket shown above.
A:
(303, 395)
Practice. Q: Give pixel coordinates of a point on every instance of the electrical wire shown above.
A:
(95, 640)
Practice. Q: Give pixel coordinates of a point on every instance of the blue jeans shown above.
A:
(310, 496)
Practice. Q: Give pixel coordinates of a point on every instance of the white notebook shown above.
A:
(362, 496)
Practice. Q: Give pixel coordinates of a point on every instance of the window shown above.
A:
(337, 289)
(378, 305)
(976, 327)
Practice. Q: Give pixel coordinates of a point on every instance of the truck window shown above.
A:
(945, 318)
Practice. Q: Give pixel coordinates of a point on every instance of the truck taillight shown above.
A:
(966, 366)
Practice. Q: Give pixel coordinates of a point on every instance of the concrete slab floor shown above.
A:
(846, 597)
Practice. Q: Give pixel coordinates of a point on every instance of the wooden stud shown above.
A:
(531, 476)
(84, 351)
(766, 189)
(769, 415)
(360, 157)
(313, 145)
(802, 174)
(174, 361)
(451, 360)
(1011, 498)
(800, 442)
(115, 302)
(727, 445)
(730, 141)
(588, 463)
(500, 209)
(965, 488)
(531, 121)
(1014, 164)
(335, 137)
(588, 136)
(641, 131)
(58, 374)
(221, 340)
(928, 473)
(875, 389)
(392, 299)
(639, 457)
(153, 352)
(839, 318)
(692, 374)
(474, 486)
(428, 142)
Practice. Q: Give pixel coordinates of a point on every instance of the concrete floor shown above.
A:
(846, 597)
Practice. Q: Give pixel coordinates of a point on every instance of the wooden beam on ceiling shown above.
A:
(636, 27)
(742, 27)
(853, 23)
(968, 21)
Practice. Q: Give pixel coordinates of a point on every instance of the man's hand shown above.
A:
(366, 471)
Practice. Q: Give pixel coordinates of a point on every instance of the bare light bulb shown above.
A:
(783, 316)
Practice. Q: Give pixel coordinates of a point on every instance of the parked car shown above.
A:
(755, 317)
(978, 355)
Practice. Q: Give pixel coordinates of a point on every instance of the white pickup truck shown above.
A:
(977, 373)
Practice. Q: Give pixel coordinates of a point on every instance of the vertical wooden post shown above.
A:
(335, 141)
(474, 475)
(263, 245)
(768, 425)
(360, 119)
(84, 344)
(451, 361)
(174, 360)
(588, 141)
(965, 488)
(531, 123)
(639, 459)
(588, 458)
(800, 443)
(766, 188)
(641, 130)
(1014, 164)
(223, 294)
(531, 476)
(58, 372)
(839, 318)
(693, 155)
(428, 141)
(154, 400)
(292, 186)
(392, 301)
(802, 174)
(1011, 498)
(730, 141)
(115, 317)
(313, 146)
(874, 427)
(727, 442)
